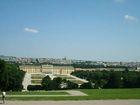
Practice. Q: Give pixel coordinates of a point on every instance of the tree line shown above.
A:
(111, 79)
(11, 77)
(86, 65)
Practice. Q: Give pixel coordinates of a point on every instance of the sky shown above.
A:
(95, 30)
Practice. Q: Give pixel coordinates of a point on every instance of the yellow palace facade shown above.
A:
(48, 69)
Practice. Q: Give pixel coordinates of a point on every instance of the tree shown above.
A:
(114, 81)
(3, 75)
(71, 85)
(46, 83)
(86, 86)
(15, 77)
(57, 83)
(11, 77)
(131, 80)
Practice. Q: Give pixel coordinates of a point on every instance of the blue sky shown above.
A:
(107, 30)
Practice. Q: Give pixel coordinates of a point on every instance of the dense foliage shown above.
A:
(86, 65)
(111, 79)
(11, 77)
(3, 75)
(55, 84)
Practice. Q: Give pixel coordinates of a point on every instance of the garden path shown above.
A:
(91, 102)
(26, 81)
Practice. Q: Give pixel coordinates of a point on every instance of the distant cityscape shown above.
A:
(64, 60)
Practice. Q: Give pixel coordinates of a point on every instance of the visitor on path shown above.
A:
(3, 96)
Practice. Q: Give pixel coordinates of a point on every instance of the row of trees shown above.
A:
(85, 65)
(55, 84)
(111, 79)
(11, 77)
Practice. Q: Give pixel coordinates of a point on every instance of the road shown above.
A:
(92, 102)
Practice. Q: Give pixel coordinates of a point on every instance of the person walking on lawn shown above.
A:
(3, 96)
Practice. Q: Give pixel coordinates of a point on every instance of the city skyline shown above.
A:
(93, 30)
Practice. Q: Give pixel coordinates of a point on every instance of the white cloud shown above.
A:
(131, 18)
(30, 30)
(120, 1)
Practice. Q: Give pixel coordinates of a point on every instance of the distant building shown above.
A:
(122, 63)
(49, 69)
(64, 58)
(137, 69)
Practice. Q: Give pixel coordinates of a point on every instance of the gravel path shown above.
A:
(27, 80)
(92, 102)
(76, 93)
(78, 78)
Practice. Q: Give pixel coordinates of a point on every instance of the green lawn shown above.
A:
(38, 93)
(113, 93)
(37, 76)
(93, 94)
(76, 81)
(63, 76)
(66, 77)
(36, 81)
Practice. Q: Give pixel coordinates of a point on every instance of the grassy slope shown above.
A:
(93, 94)
(113, 93)
(38, 93)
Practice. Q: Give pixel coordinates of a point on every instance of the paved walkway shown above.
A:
(27, 80)
(76, 93)
(92, 102)
(78, 78)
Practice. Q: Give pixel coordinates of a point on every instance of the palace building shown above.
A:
(48, 69)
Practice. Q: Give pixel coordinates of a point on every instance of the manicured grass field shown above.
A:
(93, 94)
(38, 93)
(66, 77)
(70, 79)
(36, 81)
(113, 93)
(37, 76)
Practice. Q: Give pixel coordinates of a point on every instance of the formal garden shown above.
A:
(36, 79)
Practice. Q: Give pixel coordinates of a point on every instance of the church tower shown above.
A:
(64, 58)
